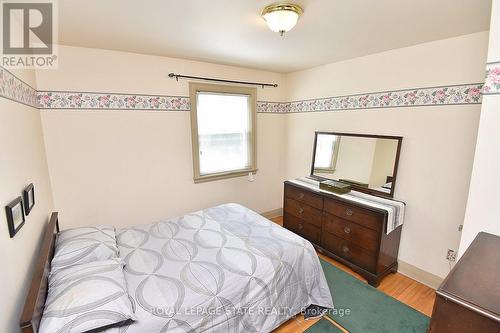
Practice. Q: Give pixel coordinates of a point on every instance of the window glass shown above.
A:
(223, 132)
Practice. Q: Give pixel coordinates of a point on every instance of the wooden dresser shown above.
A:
(468, 300)
(349, 232)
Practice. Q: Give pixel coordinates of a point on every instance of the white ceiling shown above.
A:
(232, 31)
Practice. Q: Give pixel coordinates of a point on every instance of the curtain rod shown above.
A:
(179, 76)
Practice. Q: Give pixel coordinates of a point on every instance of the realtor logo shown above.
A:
(29, 34)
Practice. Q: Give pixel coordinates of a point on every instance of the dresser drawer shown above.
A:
(305, 212)
(304, 196)
(349, 251)
(347, 230)
(361, 236)
(355, 214)
(302, 228)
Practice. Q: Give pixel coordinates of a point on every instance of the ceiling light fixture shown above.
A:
(281, 17)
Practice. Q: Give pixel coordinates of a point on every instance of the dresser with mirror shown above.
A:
(353, 228)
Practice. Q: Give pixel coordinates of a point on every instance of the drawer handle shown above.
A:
(347, 230)
(345, 249)
(301, 195)
(301, 226)
(348, 212)
(301, 210)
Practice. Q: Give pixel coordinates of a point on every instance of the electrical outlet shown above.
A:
(451, 255)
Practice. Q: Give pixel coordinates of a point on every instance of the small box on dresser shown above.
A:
(349, 232)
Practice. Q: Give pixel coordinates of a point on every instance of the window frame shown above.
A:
(194, 89)
(333, 162)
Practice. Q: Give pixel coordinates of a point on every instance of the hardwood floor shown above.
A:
(402, 288)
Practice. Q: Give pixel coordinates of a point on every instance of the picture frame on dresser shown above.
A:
(15, 216)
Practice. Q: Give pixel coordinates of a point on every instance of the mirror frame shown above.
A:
(356, 187)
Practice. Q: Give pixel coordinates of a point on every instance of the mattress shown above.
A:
(223, 269)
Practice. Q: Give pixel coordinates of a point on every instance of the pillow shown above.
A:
(387, 185)
(89, 297)
(84, 245)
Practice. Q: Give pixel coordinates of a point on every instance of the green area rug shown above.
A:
(370, 310)
(323, 326)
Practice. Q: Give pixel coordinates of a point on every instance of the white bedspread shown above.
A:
(224, 269)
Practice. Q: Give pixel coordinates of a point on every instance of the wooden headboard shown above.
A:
(35, 301)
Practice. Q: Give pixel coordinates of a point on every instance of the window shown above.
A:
(327, 149)
(223, 131)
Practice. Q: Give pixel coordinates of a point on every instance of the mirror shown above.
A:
(367, 162)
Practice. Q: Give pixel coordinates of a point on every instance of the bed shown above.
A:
(222, 269)
(387, 186)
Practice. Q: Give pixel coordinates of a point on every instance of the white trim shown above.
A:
(273, 213)
(419, 275)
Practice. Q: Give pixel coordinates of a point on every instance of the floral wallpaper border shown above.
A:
(492, 81)
(15, 89)
(442, 95)
(110, 101)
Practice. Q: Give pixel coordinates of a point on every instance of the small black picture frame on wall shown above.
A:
(29, 198)
(15, 216)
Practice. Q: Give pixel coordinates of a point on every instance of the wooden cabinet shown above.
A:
(349, 232)
(468, 300)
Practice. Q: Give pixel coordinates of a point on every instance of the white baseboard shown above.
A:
(273, 213)
(419, 275)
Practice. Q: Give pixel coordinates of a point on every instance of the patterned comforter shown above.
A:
(224, 269)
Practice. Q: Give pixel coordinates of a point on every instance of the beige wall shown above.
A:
(354, 159)
(383, 161)
(483, 206)
(22, 162)
(450, 61)
(102, 162)
(438, 144)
